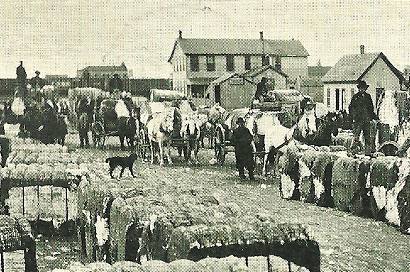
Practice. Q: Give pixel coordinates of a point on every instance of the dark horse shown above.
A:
(107, 123)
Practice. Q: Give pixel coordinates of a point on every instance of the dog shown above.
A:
(123, 162)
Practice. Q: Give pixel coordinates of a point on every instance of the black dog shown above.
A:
(124, 162)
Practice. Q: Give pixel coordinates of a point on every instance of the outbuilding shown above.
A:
(231, 91)
(276, 79)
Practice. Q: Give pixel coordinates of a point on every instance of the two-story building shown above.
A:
(374, 68)
(197, 62)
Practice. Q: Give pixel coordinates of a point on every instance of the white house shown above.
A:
(198, 62)
(374, 68)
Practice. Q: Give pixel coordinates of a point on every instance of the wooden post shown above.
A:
(38, 203)
(246, 261)
(23, 200)
(66, 205)
(269, 264)
(289, 266)
(2, 260)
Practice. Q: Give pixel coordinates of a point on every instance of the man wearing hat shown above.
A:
(242, 140)
(261, 90)
(37, 82)
(362, 113)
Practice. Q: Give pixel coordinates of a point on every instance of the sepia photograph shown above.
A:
(204, 136)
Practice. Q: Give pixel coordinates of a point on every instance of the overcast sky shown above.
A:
(59, 36)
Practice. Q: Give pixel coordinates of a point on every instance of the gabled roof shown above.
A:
(258, 70)
(240, 47)
(318, 71)
(106, 68)
(351, 68)
(227, 76)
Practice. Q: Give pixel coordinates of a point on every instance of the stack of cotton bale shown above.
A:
(389, 191)
(349, 178)
(229, 264)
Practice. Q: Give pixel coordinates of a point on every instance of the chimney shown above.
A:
(180, 34)
(362, 49)
(261, 35)
(278, 65)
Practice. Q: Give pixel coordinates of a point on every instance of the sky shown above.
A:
(61, 36)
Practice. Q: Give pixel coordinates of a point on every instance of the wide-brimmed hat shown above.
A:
(362, 85)
(240, 121)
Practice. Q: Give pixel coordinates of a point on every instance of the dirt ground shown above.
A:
(347, 242)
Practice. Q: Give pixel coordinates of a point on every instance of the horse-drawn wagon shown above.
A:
(282, 104)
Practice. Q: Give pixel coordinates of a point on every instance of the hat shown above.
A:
(37, 72)
(362, 85)
(240, 121)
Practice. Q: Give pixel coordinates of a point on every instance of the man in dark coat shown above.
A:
(242, 140)
(37, 82)
(261, 90)
(21, 79)
(362, 113)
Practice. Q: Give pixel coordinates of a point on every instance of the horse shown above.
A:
(270, 135)
(160, 128)
(191, 132)
(61, 129)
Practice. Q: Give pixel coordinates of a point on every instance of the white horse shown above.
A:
(191, 132)
(160, 127)
(276, 135)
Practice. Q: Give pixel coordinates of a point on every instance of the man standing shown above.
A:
(242, 140)
(261, 90)
(37, 82)
(21, 79)
(362, 112)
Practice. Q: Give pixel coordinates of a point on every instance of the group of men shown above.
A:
(36, 82)
(361, 111)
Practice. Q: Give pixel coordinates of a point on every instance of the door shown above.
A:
(337, 99)
(218, 94)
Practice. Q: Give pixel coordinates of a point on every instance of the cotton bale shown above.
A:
(403, 206)
(127, 266)
(184, 265)
(397, 210)
(156, 266)
(288, 169)
(100, 267)
(305, 164)
(228, 264)
(322, 179)
(383, 176)
(349, 184)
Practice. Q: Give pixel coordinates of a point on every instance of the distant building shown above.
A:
(197, 62)
(104, 71)
(313, 85)
(374, 68)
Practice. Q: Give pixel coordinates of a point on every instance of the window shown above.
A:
(194, 62)
(328, 97)
(343, 100)
(230, 63)
(247, 62)
(210, 63)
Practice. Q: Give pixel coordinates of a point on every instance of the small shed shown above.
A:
(231, 91)
(276, 79)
